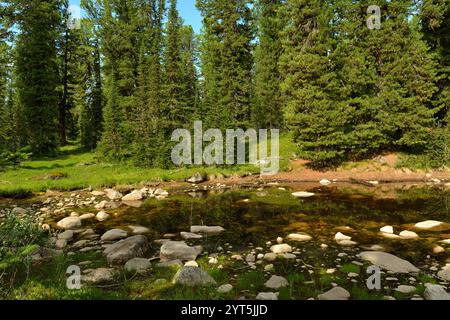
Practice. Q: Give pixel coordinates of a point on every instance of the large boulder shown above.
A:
(196, 178)
(445, 273)
(125, 250)
(179, 250)
(193, 277)
(69, 223)
(388, 262)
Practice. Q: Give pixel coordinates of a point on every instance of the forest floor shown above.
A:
(75, 169)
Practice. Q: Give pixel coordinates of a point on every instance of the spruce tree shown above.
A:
(267, 109)
(36, 66)
(227, 62)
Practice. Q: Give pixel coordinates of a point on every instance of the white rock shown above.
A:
(435, 292)
(438, 250)
(225, 288)
(427, 225)
(267, 296)
(340, 236)
(213, 261)
(325, 182)
(250, 258)
(276, 282)
(388, 262)
(69, 223)
(113, 194)
(136, 195)
(336, 293)
(102, 216)
(299, 237)
(281, 248)
(98, 193)
(279, 240)
(405, 289)
(193, 264)
(387, 229)
(179, 250)
(302, 194)
(61, 244)
(113, 235)
(408, 235)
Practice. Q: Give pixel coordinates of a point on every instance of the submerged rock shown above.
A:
(207, 229)
(429, 224)
(387, 229)
(190, 236)
(408, 235)
(193, 277)
(388, 262)
(179, 250)
(299, 237)
(125, 250)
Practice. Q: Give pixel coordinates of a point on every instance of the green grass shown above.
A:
(75, 169)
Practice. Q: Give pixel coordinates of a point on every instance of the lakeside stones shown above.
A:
(69, 223)
(303, 194)
(280, 249)
(114, 234)
(138, 265)
(125, 250)
(299, 237)
(179, 250)
(344, 240)
(136, 195)
(208, 230)
(87, 216)
(193, 277)
(276, 282)
(61, 244)
(102, 216)
(435, 292)
(270, 256)
(196, 178)
(337, 293)
(438, 250)
(388, 262)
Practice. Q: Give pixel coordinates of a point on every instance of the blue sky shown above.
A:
(187, 10)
